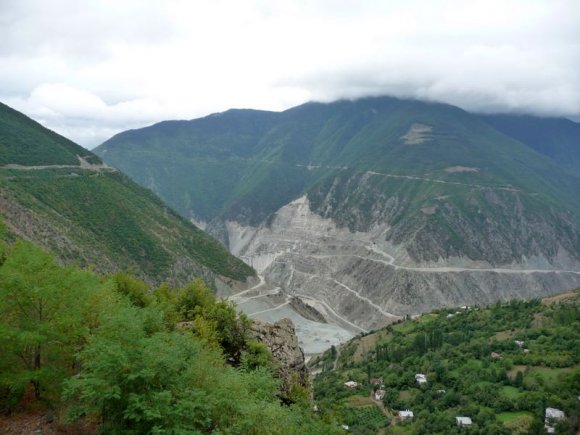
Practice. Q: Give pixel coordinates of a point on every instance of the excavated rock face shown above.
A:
(282, 341)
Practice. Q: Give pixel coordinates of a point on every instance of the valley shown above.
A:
(302, 255)
(370, 210)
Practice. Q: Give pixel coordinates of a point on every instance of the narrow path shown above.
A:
(272, 292)
(334, 313)
(434, 180)
(363, 298)
(443, 269)
(261, 282)
(270, 309)
(357, 294)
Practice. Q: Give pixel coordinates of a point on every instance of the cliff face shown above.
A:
(368, 280)
(282, 341)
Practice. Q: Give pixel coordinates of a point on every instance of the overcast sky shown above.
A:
(89, 69)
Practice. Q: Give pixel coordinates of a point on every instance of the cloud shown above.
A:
(90, 69)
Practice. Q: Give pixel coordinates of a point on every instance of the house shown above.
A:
(495, 355)
(406, 415)
(440, 391)
(376, 381)
(552, 415)
(450, 315)
(345, 427)
(463, 421)
(421, 378)
(519, 343)
(379, 394)
(351, 384)
(526, 350)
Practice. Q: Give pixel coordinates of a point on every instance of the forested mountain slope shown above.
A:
(63, 197)
(376, 206)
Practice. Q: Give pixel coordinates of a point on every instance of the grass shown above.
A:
(507, 417)
(547, 374)
(510, 392)
(360, 402)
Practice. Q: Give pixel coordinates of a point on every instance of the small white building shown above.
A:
(351, 384)
(555, 414)
(552, 416)
(421, 378)
(406, 415)
(379, 394)
(519, 343)
(463, 421)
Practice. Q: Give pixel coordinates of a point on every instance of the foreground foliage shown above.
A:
(110, 351)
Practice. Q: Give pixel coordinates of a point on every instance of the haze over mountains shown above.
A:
(376, 206)
(61, 196)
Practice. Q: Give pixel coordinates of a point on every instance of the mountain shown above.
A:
(371, 207)
(61, 196)
(556, 138)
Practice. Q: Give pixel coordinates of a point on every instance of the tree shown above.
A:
(46, 312)
(136, 290)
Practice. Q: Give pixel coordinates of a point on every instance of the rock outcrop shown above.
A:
(288, 356)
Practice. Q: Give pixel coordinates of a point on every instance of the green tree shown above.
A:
(46, 312)
(136, 290)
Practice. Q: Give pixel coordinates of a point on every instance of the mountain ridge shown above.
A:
(67, 200)
(307, 196)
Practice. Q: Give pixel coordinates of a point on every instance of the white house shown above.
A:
(519, 343)
(421, 378)
(351, 384)
(463, 421)
(552, 415)
(555, 414)
(406, 415)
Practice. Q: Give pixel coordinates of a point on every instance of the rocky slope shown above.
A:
(282, 341)
(368, 280)
(372, 208)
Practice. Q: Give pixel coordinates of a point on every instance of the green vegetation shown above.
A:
(474, 368)
(107, 352)
(25, 142)
(497, 205)
(98, 216)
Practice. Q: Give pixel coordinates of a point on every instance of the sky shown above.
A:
(90, 69)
